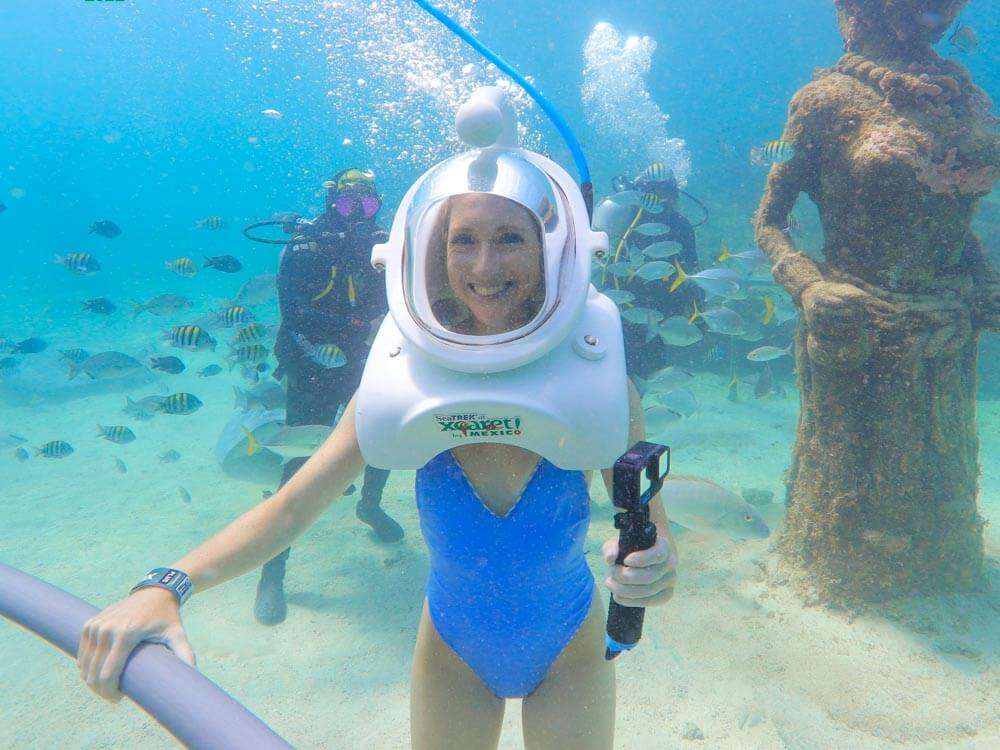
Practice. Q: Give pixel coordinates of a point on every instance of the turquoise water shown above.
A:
(150, 114)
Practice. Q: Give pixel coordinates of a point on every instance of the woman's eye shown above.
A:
(511, 238)
(462, 239)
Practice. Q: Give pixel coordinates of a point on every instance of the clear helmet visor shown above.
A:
(489, 248)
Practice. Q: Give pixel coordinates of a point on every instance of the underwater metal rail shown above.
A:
(195, 710)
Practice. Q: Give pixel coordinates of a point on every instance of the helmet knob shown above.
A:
(487, 119)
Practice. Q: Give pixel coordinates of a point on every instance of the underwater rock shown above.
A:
(692, 731)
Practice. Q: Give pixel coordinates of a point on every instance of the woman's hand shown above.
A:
(150, 614)
(648, 576)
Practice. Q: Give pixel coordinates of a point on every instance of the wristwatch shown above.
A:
(176, 581)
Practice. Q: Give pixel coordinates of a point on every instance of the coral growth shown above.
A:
(948, 177)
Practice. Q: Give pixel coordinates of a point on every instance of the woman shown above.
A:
(510, 608)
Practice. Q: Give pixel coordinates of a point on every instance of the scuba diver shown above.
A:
(649, 198)
(328, 293)
(494, 338)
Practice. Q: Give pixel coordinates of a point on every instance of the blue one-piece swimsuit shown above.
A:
(507, 594)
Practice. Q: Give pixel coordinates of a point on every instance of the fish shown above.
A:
(235, 315)
(9, 365)
(54, 449)
(329, 284)
(721, 320)
(169, 365)
(75, 356)
(678, 331)
(120, 466)
(655, 172)
(352, 296)
(212, 223)
(651, 203)
(964, 39)
(193, 338)
(184, 495)
(257, 290)
(661, 250)
(681, 400)
(655, 270)
(83, 264)
(162, 305)
(105, 228)
(273, 114)
(170, 456)
(105, 366)
(709, 508)
(772, 152)
(753, 334)
(179, 404)
(622, 270)
(328, 356)
(209, 370)
(669, 378)
(765, 383)
(144, 408)
(767, 353)
(619, 296)
(250, 353)
(290, 442)
(10, 439)
(267, 396)
(99, 305)
(21, 454)
(249, 373)
(182, 267)
(651, 230)
(642, 315)
(719, 281)
(657, 418)
(116, 433)
(251, 333)
(224, 263)
(768, 309)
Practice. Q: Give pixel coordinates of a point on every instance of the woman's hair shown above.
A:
(450, 311)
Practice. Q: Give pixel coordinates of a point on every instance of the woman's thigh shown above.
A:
(575, 704)
(450, 707)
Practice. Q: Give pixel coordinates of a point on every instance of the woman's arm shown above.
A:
(153, 614)
(271, 526)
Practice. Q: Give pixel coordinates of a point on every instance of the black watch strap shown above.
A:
(176, 581)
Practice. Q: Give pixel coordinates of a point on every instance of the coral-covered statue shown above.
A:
(895, 146)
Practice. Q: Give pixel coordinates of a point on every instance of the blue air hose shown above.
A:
(586, 184)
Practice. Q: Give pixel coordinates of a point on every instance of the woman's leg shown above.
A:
(450, 707)
(574, 707)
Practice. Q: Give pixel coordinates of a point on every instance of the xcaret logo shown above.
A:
(478, 425)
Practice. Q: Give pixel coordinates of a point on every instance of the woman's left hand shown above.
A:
(648, 576)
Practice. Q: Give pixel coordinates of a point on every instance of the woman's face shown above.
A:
(494, 257)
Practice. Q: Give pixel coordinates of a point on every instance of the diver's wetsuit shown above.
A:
(324, 314)
(642, 358)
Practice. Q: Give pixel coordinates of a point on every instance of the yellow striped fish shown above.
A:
(116, 433)
(211, 222)
(178, 403)
(193, 338)
(182, 267)
(352, 295)
(54, 449)
(252, 353)
(772, 152)
(651, 203)
(237, 314)
(329, 286)
(81, 263)
(250, 334)
(768, 309)
(655, 172)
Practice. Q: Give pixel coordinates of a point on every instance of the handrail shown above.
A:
(195, 710)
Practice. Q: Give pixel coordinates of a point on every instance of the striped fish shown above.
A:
(76, 356)
(54, 449)
(772, 152)
(328, 356)
(235, 315)
(251, 334)
(178, 403)
(651, 202)
(655, 172)
(193, 338)
(182, 267)
(81, 263)
(251, 353)
(116, 433)
(211, 222)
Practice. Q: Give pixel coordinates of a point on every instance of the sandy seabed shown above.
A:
(734, 661)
